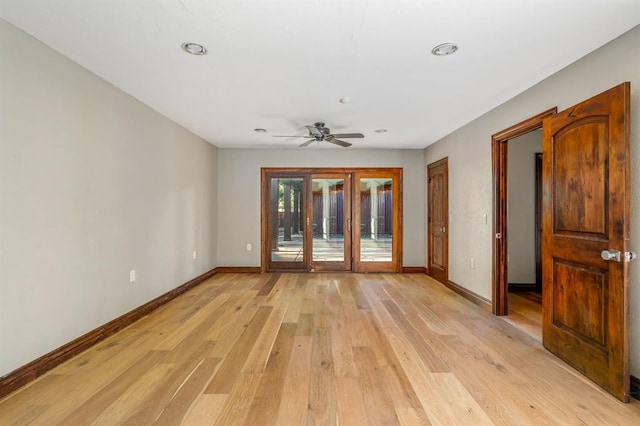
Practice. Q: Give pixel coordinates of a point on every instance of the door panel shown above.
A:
(580, 170)
(585, 211)
(286, 245)
(377, 197)
(331, 239)
(437, 218)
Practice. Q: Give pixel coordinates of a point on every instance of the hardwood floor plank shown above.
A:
(205, 410)
(188, 391)
(378, 403)
(194, 322)
(304, 326)
(236, 408)
(131, 400)
(350, 403)
(265, 286)
(462, 407)
(113, 390)
(259, 355)
(294, 302)
(294, 403)
(317, 348)
(429, 357)
(265, 405)
(322, 391)
(232, 365)
(186, 358)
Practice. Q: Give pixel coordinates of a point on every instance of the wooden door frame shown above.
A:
(499, 165)
(438, 163)
(393, 172)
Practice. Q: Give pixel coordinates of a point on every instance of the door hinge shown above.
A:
(629, 256)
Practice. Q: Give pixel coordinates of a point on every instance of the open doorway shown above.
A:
(501, 251)
(524, 218)
(585, 213)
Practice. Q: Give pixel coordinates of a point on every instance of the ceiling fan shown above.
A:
(318, 133)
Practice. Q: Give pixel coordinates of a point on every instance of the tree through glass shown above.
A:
(287, 208)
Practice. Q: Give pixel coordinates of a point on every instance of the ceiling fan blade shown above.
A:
(338, 142)
(314, 131)
(309, 142)
(291, 136)
(348, 135)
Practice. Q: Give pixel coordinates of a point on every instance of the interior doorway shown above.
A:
(524, 218)
(500, 159)
(585, 234)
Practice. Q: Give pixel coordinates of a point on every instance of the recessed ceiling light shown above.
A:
(194, 48)
(259, 130)
(444, 49)
(381, 130)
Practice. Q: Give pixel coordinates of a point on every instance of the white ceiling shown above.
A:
(282, 64)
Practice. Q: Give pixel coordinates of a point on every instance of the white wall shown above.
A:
(92, 184)
(469, 151)
(521, 210)
(239, 192)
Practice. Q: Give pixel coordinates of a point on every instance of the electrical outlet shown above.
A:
(195, 255)
(248, 246)
(472, 263)
(132, 275)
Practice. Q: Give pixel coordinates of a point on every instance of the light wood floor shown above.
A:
(296, 349)
(525, 314)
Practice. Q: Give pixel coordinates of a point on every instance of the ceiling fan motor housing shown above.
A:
(320, 126)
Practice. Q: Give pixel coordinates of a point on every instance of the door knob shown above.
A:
(610, 255)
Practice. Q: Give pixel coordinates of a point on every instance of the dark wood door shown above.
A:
(586, 194)
(438, 213)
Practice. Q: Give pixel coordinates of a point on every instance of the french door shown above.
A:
(331, 220)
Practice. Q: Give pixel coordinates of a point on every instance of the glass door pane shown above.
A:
(287, 223)
(331, 222)
(376, 218)
(377, 208)
(331, 219)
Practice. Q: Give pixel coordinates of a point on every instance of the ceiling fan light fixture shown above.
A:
(444, 49)
(194, 48)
